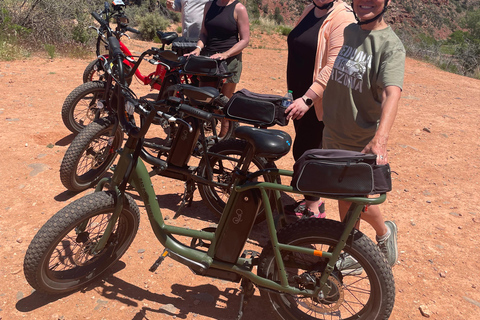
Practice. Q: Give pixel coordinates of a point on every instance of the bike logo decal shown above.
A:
(238, 218)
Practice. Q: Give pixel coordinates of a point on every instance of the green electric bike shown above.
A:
(299, 272)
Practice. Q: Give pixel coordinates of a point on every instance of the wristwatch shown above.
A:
(308, 101)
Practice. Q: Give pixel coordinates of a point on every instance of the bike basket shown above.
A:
(340, 173)
(182, 46)
(204, 66)
(256, 108)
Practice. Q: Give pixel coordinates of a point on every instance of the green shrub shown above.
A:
(284, 30)
(50, 48)
(150, 23)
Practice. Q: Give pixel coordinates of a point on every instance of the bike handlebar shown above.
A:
(114, 46)
(197, 113)
(132, 30)
(97, 17)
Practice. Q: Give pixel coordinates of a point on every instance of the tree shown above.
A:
(472, 23)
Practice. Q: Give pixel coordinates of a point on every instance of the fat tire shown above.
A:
(76, 122)
(231, 148)
(83, 144)
(323, 231)
(47, 279)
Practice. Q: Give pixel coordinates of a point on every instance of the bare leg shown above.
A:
(372, 216)
(227, 89)
(313, 205)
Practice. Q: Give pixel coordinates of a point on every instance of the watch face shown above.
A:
(308, 102)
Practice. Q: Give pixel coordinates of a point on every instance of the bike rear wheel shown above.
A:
(59, 258)
(365, 291)
(80, 106)
(90, 155)
(216, 197)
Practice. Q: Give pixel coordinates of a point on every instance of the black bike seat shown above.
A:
(166, 37)
(198, 95)
(270, 144)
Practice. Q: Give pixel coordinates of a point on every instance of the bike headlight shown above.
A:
(100, 104)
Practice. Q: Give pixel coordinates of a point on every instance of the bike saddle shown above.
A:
(270, 144)
(197, 95)
(166, 37)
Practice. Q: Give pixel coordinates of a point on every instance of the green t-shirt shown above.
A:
(368, 62)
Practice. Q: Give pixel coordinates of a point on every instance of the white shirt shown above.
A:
(192, 16)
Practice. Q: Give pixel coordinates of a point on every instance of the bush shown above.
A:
(150, 23)
(284, 30)
(50, 48)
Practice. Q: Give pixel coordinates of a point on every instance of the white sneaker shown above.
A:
(348, 265)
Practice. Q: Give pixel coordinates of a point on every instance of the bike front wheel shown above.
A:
(60, 259)
(80, 106)
(90, 154)
(216, 197)
(364, 288)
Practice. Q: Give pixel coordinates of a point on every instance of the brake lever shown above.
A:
(171, 118)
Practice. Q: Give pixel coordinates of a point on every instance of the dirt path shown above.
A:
(434, 149)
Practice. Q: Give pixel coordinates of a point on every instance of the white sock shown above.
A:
(385, 236)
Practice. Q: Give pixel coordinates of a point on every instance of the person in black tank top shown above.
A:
(309, 46)
(225, 33)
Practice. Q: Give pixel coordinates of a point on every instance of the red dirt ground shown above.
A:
(434, 149)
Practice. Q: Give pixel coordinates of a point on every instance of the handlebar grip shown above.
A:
(197, 113)
(114, 46)
(97, 17)
(132, 30)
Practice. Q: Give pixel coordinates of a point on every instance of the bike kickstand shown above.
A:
(187, 197)
(246, 292)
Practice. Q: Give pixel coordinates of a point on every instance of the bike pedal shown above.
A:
(160, 259)
(250, 253)
(253, 256)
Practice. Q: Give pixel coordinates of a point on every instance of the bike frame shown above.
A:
(139, 178)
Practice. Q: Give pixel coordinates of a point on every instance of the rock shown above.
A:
(37, 168)
(19, 295)
(425, 311)
(100, 304)
(443, 274)
(169, 308)
(141, 250)
(455, 214)
(472, 301)
(427, 130)
(50, 145)
(19, 240)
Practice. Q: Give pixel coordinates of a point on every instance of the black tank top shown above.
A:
(222, 29)
(302, 49)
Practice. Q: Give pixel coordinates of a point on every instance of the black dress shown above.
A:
(302, 49)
